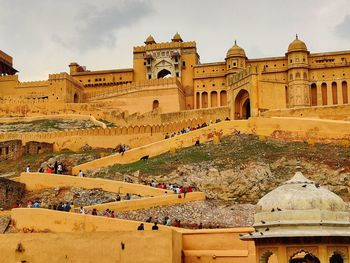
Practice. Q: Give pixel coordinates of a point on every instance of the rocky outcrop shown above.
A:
(10, 193)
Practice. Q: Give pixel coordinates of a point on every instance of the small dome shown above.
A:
(235, 51)
(150, 40)
(177, 38)
(299, 208)
(300, 193)
(297, 45)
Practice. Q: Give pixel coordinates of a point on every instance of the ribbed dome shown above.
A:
(235, 51)
(300, 193)
(297, 45)
(176, 38)
(300, 207)
(150, 40)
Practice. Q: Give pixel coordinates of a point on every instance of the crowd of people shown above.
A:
(175, 188)
(56, 168)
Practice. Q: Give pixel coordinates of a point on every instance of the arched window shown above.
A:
(336, 258)
(76, 98)
(223, 98)
(305, 75)
(344, 87)
(297, 75)
(334, 93)
(155, 104)
(290, 76)
(204, 99)
(324, 93)
(198, 100)
(313, 94)
(214, 99)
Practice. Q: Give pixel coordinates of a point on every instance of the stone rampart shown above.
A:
(143, 203)
(37, 181)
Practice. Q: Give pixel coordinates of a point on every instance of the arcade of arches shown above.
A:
(331, 93)
(242, 105)
(211, 99)
(76, 98)
(299, 257)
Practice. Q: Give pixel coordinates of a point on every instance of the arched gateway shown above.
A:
(242, 105)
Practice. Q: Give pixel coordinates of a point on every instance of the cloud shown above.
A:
(342, 30)
(97, 27)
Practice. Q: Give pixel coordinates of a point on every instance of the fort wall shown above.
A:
(37, 181)
(335, 112)
(148, 202)
(133, 136)
(223, 245)
(102, 247)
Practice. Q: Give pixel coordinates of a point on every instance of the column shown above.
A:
(200, 100)
(218, 100)
(329, 93)
(339, 93)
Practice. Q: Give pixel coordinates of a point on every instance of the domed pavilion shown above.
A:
(301, 218)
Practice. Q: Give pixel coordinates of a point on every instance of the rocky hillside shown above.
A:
(46, 125)
(244, 168)
(10, 193)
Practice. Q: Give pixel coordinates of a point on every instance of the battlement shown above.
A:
(8, 78)
(165, 45)
(32, 84)
(243, 74)
(130, 87)
(64, 76)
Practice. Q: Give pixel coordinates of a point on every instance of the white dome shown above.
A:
(300, 207)
(300, 193)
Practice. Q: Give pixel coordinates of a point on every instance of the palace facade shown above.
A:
(169, 77)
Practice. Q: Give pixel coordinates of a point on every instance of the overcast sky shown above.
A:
(44, 36)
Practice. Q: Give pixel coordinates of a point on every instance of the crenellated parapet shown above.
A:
(63, 76)
(165, 45)
(131, 87)
(242, 75)
(33, 84)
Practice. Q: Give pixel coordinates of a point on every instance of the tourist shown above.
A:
(118, 197)
(41, 170)
(112, 214)
(67, 207)
(185, 191)
(81, 174)
(29, 204)
(55, 167)
(49, 169)
(59, 169)
(82, 210)
(165, 220)
(94, 212)
(141, 227)
(106, 213)
(149, 220)
(127, 196)
(72, 207)
(36, 204)
(60, 207)
(165, 193)
(168, 222)
(200, 225)
(155, 227)
(28, 169)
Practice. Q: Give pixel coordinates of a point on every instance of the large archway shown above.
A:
(242, 105)
(163, 73)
